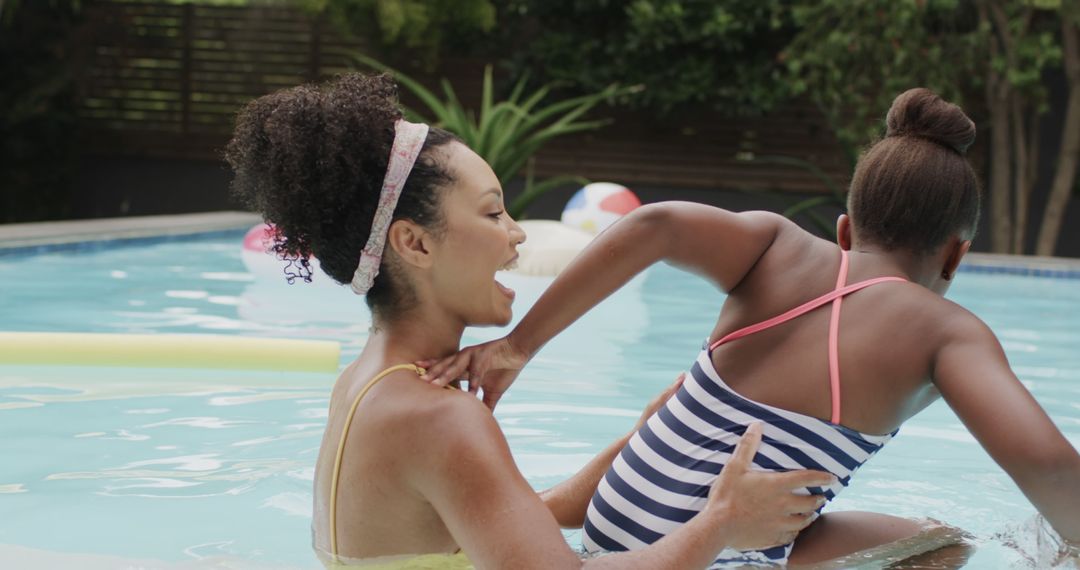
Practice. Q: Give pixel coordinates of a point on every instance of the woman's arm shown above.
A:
(721, 245)
(974, 377)
(569, 500)
(469, 477)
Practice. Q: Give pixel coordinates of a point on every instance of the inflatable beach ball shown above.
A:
(256, 254)
(598, 205)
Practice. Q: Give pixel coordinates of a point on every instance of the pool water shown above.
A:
(196, 468)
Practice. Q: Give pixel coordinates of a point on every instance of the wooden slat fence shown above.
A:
(706, 150)
(165, 80)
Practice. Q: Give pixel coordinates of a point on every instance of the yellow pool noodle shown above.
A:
(169, 351)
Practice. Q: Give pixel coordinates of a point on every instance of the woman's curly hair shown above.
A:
(311, 160)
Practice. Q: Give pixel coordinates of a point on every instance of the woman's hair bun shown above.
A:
(922, 113)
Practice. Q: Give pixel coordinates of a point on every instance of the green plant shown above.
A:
(507, 133)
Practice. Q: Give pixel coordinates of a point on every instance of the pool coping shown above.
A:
(1029, 265)
(79, 235)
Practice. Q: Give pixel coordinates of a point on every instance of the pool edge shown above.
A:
(17, 240)
(1026, 265)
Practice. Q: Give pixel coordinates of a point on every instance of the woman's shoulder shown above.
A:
(451, 433)
(441, 416)
(399, 405)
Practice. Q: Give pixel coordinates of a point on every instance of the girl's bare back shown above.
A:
(887, 337)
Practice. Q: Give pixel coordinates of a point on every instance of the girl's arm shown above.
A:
(974, 377)
(722, 246)
(569, 500)
(469, 477)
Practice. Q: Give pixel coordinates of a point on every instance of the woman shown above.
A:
(773, 356)
(414, 220)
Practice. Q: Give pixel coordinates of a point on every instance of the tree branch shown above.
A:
(997, 101)
(1069, 155)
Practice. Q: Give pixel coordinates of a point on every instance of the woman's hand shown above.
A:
(760, 509)
(491, 366)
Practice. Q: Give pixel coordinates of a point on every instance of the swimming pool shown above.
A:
(202, 468)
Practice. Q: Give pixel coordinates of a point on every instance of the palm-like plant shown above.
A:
(507, 133)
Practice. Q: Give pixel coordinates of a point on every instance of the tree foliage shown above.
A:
(717, 52)
(424, 26)
(721, 53)
(853, 58)
(992, 56)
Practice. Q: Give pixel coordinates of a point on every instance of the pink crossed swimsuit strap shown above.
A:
(835, 297)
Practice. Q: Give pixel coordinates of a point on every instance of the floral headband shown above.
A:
(408, 141)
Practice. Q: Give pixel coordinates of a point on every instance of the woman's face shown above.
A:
(480, 238)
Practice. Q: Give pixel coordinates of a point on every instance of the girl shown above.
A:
(832, 388)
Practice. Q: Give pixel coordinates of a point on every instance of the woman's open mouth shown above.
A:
(505, 290)
(508, 266)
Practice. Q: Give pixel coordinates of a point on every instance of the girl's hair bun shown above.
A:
(922, 113)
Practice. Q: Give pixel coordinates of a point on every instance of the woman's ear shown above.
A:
(410, 242)
(843, 232)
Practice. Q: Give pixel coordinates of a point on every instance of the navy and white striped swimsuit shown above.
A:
(662, 477)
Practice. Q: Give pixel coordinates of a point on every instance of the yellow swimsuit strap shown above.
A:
(341, 447)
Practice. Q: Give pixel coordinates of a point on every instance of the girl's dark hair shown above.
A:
(311, 160)
(914, 188)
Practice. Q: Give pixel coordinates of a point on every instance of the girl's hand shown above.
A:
(491, 366)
